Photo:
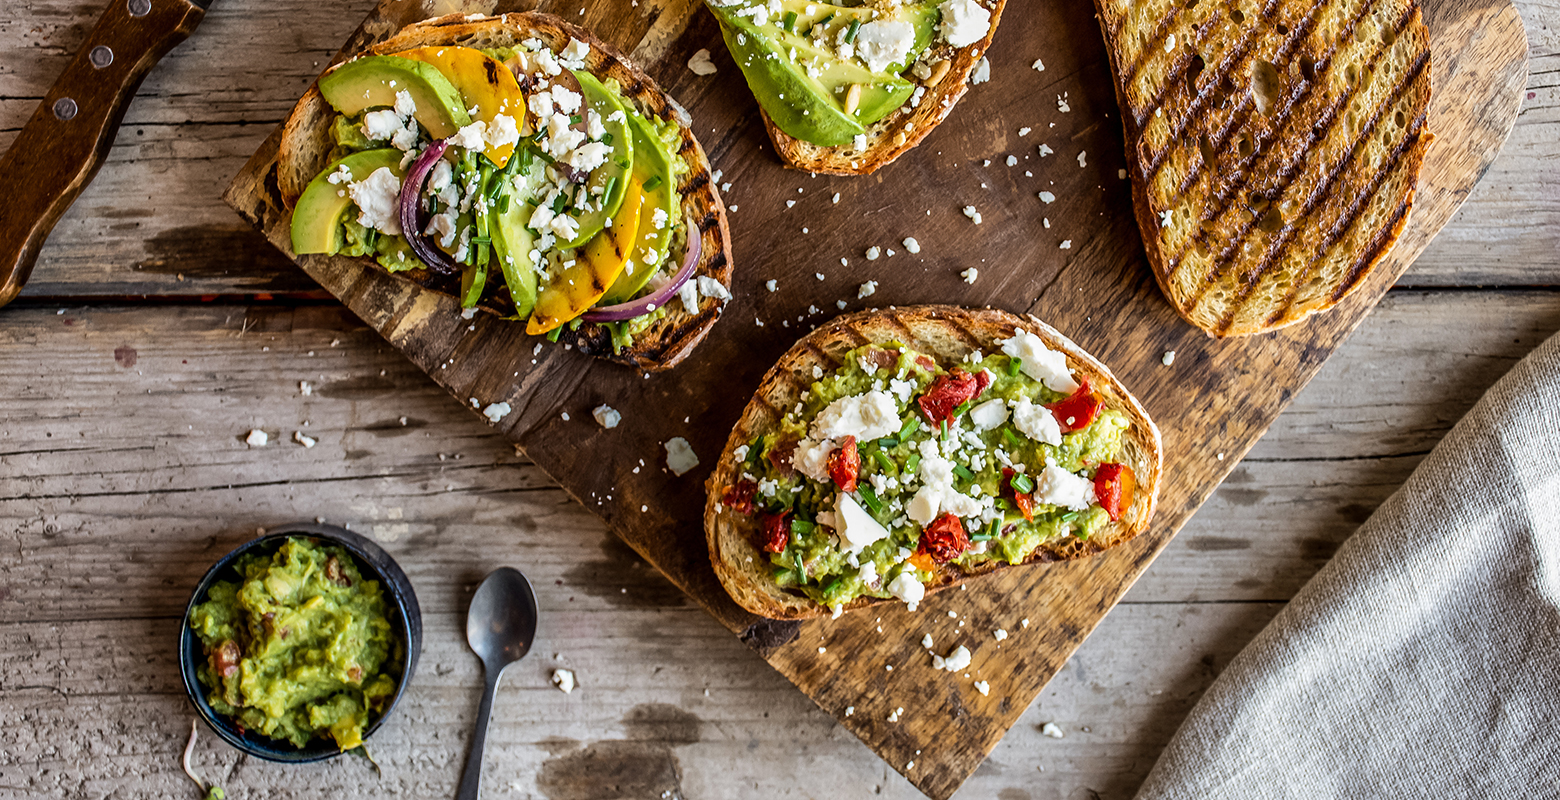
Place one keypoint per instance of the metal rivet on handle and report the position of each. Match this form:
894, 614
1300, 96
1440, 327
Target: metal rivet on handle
101, 56
65, 109
140, 8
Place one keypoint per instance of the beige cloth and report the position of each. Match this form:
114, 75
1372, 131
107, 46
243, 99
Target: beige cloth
1424, 660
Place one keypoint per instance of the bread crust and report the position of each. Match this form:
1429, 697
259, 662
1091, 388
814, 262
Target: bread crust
946, 333
306, 145
1188, 117
883, 147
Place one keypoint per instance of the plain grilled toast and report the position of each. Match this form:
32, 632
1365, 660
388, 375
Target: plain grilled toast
947, 333
1274, 147
306, 146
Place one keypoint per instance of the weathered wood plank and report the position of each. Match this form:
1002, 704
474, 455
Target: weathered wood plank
153, 214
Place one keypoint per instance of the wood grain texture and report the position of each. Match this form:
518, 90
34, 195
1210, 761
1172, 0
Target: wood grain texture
114, 497
1219, 401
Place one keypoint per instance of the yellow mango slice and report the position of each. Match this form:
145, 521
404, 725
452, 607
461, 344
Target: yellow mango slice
596, 266
483, 82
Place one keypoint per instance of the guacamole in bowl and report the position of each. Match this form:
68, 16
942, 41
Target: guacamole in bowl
297, 644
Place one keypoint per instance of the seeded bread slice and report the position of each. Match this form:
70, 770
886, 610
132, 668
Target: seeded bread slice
1274, 148
890, 137
306, 146
947, 333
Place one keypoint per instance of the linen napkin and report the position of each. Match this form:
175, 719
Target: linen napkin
1423, 661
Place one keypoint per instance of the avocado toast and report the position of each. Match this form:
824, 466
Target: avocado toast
892, 453
845, 87
524, 167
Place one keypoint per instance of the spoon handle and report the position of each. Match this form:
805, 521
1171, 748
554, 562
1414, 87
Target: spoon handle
471, 779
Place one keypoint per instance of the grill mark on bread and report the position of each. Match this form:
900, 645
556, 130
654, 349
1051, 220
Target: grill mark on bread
1378, 248
1224, 260
1323, 194
1150, 47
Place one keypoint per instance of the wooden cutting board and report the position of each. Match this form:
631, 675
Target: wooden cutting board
1077, 263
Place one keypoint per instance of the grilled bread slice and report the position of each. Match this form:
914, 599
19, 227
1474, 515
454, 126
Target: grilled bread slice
948, 334
943, 71
1274, 148
306, 146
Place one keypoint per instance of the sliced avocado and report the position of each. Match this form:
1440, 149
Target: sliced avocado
611, 178
653, 170
512, 244
373, 81
779, 59
317, 216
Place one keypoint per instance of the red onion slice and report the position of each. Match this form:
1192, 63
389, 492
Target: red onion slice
659, 297
411, 221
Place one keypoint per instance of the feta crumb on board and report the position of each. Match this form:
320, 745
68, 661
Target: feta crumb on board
680, 456
1050, 729
1000, 634
305, 388
983, 687
1038, 66
257, 438
972, 213
1047, 198
1065, 245
771, 284
911, 244
1083, 158
306, 441
497, 411
564, 680
894, 717
970, 275
926, 641
701, 64
606, 416
1168, 358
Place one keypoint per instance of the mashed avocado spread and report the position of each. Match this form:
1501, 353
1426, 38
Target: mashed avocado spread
301, 647
893, 466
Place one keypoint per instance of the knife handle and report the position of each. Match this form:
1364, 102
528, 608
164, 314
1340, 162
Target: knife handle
60, 149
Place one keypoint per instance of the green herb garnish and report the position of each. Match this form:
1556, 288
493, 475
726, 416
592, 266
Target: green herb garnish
1023, 483
655, 181
850, 33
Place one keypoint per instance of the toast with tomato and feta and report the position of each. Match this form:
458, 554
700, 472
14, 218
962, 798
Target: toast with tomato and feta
893, 453
523, 166
847, 87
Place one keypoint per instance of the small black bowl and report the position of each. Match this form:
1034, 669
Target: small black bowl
374, 562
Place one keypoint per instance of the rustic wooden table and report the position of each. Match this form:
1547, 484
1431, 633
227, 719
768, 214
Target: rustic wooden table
159, 329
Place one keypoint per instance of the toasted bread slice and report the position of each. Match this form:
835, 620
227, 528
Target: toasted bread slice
1274, 148
947, 333
306, 146
890, 137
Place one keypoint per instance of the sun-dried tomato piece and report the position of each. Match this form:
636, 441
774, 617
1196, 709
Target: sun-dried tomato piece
775, 530
780, 456
882, 358
926, 362
739, 496
945, 394
944, 539
1114, 485
1078, 410
982, 381
845, 464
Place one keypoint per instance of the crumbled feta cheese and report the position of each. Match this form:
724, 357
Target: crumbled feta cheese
964, 22
874, 252
771, 284
503, 131
981, 73
989, 414
381, 125
907, 588
974, 215
1168, 358
608, 417
859, 141
1047, 198
1000, 634
1164, 218
869, 574
689, 294
563, 679
1058, 487
1050, 729
1065, 245
881, 43
257, 438
709, 287
866, 289
306, 441
958, 660
1036, 421
926, 641
856, 527
305, 388
574, 54
471, 137
496, 411
1039, 362
811, 458
680, 456
1083, 158
1012, 161
970, 275
1037, 66
912, 245
378, 200
894, 717
1045, 150
872, 415
983, 687
405, 106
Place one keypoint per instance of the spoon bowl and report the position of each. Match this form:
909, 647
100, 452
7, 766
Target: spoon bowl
500, 626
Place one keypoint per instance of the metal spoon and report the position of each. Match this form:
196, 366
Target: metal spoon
500, 628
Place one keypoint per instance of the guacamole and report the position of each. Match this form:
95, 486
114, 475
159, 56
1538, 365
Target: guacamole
301, 647
894, 466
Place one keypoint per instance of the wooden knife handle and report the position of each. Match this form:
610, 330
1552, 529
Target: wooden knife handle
60, 149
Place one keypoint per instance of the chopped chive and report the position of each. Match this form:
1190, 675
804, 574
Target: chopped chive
885, 462
1014, 365
994, 529
606, 192
963, 472
503, 204
981, 537
831, 585
962, 409
790, 22
801, 526
655, 181
801, 566
574, 119
559, 203
1012, 438
824, 21
850, 33
912, 462
552, 335
1023, 483
888, 442
909, 427
606, 138
870, 498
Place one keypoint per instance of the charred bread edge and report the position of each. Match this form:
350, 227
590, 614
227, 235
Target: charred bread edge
305, 149
729, 534
802, 155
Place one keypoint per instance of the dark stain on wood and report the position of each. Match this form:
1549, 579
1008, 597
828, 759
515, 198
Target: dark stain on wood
643, 765
663, 723
1216, 544
365, 387
1241, 497
390, 428
196, 251
623, 579
1356, 513
768, 634
1318, 549
125, 355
